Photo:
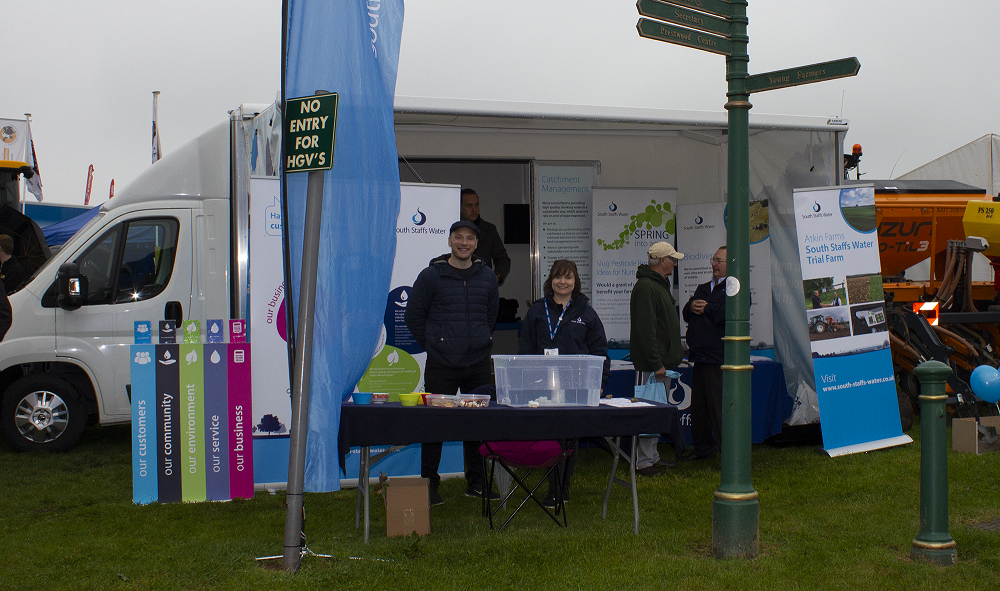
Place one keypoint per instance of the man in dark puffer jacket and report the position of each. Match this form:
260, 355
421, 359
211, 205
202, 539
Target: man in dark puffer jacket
451, 312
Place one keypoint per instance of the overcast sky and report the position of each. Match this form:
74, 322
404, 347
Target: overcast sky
85, 70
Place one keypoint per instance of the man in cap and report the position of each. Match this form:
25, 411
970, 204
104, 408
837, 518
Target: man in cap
451, 312
655, 336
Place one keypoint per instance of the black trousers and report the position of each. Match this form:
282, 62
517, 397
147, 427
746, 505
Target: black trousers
706, 408
440, 379
567, 467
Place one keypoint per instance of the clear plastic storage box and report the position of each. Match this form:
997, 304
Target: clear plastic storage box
548, 380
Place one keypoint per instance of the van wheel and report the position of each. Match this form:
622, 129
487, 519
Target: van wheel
42, 413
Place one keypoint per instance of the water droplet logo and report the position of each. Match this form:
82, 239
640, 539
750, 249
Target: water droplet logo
401, 302
419, 218
698, 220
816, 206
215, 358
167, 359
613, 206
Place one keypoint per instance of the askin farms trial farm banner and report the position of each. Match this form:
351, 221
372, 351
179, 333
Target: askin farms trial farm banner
845, 318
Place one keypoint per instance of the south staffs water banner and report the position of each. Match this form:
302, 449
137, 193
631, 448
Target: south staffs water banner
191, 419
845, 318
701, 230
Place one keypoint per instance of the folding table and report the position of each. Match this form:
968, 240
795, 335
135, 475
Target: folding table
396, 425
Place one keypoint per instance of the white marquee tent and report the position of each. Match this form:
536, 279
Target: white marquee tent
976, 163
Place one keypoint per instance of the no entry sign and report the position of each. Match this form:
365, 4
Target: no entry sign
310, 130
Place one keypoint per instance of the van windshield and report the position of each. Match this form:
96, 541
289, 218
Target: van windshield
70, 244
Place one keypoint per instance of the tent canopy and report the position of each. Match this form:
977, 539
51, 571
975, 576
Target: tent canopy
976, 163
58, 234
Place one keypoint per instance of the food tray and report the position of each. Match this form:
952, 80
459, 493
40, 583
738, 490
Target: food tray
473, 400
442, 400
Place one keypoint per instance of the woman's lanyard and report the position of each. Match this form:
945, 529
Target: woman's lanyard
548, 319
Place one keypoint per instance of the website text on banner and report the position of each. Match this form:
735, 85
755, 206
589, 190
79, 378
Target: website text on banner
845, 317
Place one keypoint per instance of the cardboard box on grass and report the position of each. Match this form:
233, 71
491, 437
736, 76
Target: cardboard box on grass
407, 507
965, 437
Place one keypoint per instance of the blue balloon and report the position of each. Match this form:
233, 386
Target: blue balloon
985, 382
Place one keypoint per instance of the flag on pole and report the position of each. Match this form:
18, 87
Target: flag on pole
111, 195
156, 132
90, 181
34, 184
13, 139
351, 48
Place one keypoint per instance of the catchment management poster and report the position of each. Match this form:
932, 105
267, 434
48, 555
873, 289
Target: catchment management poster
846, 320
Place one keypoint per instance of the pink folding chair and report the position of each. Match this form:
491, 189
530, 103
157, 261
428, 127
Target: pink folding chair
530, 456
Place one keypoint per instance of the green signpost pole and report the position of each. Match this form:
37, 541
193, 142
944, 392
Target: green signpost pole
735, 508
720, 26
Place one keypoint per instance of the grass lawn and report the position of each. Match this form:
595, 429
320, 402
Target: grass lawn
67, 522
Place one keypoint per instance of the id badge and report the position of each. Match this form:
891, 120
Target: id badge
552, 351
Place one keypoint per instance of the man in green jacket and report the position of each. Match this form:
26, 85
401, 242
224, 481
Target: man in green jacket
655, 336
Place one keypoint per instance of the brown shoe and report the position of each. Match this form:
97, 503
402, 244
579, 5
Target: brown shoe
664, 465
648, 471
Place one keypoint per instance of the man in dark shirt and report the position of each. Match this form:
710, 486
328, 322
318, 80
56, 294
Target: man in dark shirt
11, 272
705, 314
816, 302
450, 313
490, 248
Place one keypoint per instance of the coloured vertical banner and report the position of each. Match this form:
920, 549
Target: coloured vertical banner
144, 420
701, 230
192, 402
845, 317
626, 222
271, 390
191, 409
562, 205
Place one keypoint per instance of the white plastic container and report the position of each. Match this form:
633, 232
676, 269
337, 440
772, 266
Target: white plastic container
548, 380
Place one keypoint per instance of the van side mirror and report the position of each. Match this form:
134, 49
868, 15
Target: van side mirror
72, 286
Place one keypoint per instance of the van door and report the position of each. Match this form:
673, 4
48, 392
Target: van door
137, 269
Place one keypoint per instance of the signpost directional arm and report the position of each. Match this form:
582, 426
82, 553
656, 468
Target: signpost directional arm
680, 36
803, 75
681, 16
719, 8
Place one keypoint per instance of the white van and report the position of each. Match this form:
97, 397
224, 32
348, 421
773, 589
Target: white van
160, 249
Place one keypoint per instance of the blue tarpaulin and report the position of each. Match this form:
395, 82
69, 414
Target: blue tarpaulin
57, 234
350, 47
